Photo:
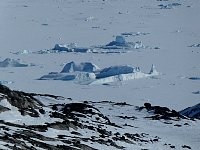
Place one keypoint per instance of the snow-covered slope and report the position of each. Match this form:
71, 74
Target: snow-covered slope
42, 121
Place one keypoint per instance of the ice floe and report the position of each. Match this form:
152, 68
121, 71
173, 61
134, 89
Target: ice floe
22, 52
63, 48
119, 45
5, 82
8, 62
194, 78
72, 47
196, 92
88, 73
195, 45
126, 34
169, 6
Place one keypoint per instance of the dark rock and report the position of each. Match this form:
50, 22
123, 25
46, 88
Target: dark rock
76, 133
104, 132
3, 109
185, 146
42, 111
162, 112
126, 117
177, 125
122, 104
147, 106
172, 146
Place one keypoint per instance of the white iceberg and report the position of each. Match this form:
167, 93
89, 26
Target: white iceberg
61, 47
72, 71
89, 73
82, 67
121, 43
72, 47
122, 73
115, 70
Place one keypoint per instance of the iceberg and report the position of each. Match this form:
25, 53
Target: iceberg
88, 73
82, 67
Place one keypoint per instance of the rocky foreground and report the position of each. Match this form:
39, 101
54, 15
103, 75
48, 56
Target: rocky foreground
41, 121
